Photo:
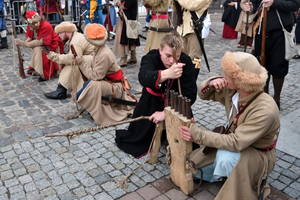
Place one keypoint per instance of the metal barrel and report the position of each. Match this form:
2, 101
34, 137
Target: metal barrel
172, 98
183, 106
179, 104
175, 94
188, 109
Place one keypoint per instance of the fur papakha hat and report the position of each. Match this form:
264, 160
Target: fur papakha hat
65, 27
95, 34
32, 17
244, 70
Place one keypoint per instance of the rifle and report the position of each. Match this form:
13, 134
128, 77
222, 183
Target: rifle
45, 49
264, 35
80, 20
59, 10
75, 55
21, 68
108, 18
246, 28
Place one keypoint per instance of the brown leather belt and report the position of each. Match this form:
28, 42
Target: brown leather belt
161, 29
154, 13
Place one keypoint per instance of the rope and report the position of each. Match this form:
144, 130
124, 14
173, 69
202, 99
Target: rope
168, 155
123, 182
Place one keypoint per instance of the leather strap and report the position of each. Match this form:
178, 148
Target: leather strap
161, 29
243, 109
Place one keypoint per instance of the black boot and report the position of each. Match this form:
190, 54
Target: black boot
59, 93
3, 44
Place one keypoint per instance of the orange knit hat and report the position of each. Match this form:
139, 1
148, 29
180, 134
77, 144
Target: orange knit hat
96, 34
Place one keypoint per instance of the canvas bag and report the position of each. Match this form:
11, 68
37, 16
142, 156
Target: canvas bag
132, 31
289, 41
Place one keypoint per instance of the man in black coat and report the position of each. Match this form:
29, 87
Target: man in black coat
158, 74
276, 64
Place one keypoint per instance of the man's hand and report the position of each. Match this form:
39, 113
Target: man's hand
157, 117
19, 42
175, 71
267, 3
92, 19
218, 83
185, 133
248, 7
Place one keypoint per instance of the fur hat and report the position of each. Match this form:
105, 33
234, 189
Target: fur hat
244, 70
65, 27
32, 17
95, 34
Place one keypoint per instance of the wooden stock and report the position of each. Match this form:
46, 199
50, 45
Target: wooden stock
21, 68
263, 41
75, 55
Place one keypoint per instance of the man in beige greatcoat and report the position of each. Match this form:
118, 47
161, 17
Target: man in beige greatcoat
70, 78
246, 155
160, 23
104, 80
191, 43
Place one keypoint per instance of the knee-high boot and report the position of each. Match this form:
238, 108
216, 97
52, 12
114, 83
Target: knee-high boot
132, 57
59, 93
123, 61
278, 84
3, 44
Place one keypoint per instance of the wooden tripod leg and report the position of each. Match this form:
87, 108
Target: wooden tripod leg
156, 143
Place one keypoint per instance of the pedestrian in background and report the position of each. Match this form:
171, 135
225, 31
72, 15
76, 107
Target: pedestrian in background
230, 18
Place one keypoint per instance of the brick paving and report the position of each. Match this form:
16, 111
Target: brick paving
36, 167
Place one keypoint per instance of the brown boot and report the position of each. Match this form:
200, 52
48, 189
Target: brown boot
132, 57
123, 62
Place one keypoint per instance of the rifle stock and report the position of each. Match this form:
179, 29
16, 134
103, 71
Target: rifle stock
21, 67
75, 55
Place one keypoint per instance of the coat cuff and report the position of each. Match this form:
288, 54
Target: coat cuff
196, 133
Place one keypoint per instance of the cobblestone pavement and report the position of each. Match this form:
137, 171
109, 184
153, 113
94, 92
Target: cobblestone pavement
36, 167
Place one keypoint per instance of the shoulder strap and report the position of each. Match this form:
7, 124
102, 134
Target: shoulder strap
244, 108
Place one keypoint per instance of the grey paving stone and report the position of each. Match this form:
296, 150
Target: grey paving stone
11, 182
116, 193
17, 165
67, 196
103, 196
33, 168
6, 175
296, 186
20, 136
73, 184
109, 186
56, 181
290, 174
38, 175
283, 164
80, 192
20, 171
68, 177
88, 181
24, 156
29, 187
15, 189
278, 185
9, 154
18, 195
292, 192
61, 189
93, 190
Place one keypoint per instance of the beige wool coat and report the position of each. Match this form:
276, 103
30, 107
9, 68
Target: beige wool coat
70, 76
256, 127
241, 24
153, 37
103, 63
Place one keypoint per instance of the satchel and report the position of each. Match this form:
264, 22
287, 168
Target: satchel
290, 47
132, 31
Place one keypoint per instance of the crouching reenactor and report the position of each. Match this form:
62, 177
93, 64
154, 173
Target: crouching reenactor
246, 154
40, 33
70, 78
103, 94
